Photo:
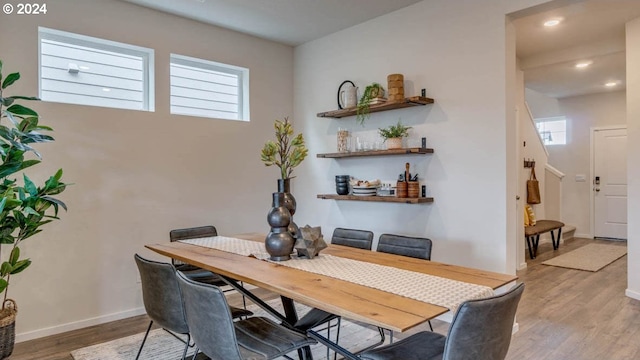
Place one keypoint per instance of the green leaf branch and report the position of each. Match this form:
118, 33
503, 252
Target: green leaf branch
286, 152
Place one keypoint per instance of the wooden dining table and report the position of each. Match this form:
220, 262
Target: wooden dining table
350, 300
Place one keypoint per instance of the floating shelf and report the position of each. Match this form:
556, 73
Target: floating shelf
389, 199
403, 151
407, 102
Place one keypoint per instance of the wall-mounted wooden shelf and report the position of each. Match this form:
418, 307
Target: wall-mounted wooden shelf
407, 102
388, 199
403, 151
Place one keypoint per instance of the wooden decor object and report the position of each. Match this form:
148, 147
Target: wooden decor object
401, 189
395, 87
413, 189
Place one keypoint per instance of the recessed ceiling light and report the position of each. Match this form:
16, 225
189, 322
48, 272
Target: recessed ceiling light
106, 89
611, 84
552, 22
582, 65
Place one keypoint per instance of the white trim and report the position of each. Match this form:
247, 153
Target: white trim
36, 334
584, 236
632, 294
522, 266
535, 127
147, 56
592, 213
554, 171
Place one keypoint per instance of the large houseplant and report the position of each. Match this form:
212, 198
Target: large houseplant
24, 206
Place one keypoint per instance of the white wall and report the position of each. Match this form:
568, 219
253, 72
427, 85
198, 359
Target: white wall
541, 105
138, 174
470, 175
633, 157
582, 114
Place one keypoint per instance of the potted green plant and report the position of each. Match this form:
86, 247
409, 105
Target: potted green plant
370, 93
393, 135
24, 206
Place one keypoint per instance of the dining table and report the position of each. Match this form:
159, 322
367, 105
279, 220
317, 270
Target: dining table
350, 284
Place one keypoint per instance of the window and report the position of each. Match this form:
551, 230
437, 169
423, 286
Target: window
83, 70
553, 131
209, 89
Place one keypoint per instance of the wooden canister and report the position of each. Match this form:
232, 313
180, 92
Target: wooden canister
395, 87
401, 189
413, 189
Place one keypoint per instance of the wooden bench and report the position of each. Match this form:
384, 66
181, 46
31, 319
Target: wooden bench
532, 234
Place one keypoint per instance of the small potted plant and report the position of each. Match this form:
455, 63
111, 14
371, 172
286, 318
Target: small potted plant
393, 135
370, 93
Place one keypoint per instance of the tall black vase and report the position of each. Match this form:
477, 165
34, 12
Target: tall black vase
279, 242
284, 186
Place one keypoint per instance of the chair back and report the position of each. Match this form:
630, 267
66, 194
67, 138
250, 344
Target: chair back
361, 239
406, 246
209, 319
161, 295
190, 233
481, 329
193, 233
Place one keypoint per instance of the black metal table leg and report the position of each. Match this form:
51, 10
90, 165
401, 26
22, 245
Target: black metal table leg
535, 245
530, 247
292, 317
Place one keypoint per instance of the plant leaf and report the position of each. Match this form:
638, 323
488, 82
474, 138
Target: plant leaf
18, 109
20, 266
24, 98
30, 186
3, 285
5, 269
10, 79
15, 255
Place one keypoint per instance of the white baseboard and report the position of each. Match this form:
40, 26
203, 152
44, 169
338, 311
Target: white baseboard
36, 334
522, 266
632, 294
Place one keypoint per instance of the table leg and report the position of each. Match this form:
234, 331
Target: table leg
535, 245
530, 247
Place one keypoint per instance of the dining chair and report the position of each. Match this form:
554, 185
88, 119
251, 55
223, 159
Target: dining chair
361, 239
415, 247
163, 300
194, 272
481, 329
220, 338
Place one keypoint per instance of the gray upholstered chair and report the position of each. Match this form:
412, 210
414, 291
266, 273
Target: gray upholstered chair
361, 239
481, 329
163, 301
194, 272
218, 337
415, 247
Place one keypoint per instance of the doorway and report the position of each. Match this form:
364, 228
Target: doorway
609, 179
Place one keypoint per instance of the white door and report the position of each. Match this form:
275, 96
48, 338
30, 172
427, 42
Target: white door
610, 183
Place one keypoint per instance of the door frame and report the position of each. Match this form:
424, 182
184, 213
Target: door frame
592, 200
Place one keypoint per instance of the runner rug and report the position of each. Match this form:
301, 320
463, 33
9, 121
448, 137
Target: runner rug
592, 257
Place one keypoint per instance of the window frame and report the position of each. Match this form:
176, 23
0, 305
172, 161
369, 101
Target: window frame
146, 54
547, 120
243, 82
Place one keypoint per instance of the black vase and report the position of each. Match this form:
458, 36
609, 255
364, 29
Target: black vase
279, 242
290, 203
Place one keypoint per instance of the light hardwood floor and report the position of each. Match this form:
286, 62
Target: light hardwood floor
564, 314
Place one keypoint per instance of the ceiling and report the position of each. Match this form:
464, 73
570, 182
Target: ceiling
291, 22
590, 31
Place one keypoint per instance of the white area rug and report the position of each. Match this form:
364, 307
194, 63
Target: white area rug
161, 345
592, 257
